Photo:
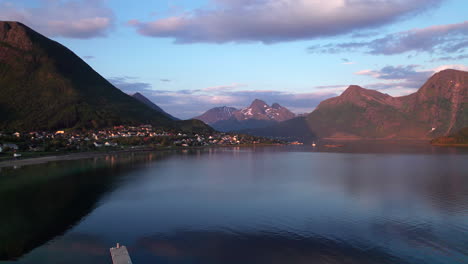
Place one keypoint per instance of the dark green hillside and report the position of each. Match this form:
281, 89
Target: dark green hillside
45, 86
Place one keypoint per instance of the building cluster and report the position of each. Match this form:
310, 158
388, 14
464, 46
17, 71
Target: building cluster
115, 137
217, 139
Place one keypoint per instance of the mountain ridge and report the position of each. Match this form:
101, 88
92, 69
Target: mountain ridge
216, 114
438, 108
257, 114
140, 97
45, 86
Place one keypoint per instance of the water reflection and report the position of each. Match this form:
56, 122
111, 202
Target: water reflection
243, 205
40, 202
261, 247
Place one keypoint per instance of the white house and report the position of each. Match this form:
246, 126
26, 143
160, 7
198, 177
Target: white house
110, 144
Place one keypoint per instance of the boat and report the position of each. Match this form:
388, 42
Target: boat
296, 143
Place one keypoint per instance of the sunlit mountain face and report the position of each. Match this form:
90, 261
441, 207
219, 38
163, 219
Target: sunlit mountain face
234, 131
198, 55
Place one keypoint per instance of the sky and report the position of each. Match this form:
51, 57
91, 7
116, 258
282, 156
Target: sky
188, 56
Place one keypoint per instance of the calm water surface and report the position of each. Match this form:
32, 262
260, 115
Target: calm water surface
358, 204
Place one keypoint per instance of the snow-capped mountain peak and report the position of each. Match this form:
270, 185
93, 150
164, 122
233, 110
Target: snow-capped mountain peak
260, 110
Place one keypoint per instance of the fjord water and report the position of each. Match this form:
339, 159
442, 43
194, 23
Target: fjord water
280, 204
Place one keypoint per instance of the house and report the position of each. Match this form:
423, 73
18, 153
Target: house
110, 144
17, 134
97, 144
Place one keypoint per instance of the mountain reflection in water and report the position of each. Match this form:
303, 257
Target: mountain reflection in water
285, 204
40, 202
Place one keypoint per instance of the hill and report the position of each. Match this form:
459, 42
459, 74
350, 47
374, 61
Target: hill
45, 86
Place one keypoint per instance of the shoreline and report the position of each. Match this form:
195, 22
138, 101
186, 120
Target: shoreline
449, 145
95, 154
64, 157
375, 139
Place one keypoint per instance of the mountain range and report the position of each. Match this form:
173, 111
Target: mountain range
438, 108
45, 86
259, 114
217, 114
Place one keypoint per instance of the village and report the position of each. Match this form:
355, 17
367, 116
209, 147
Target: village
17, 144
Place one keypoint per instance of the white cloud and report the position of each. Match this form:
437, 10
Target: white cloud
190, 103
65, 18
452, 66
441, 39
223, 87
403, 79
271, 21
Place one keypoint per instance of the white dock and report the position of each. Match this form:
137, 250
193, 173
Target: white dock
120, 255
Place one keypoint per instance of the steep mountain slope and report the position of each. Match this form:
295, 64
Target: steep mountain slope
45, 86
152, 105
441, 103
439, 107
216, 114
258, 114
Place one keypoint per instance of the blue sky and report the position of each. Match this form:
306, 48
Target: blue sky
190, 55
